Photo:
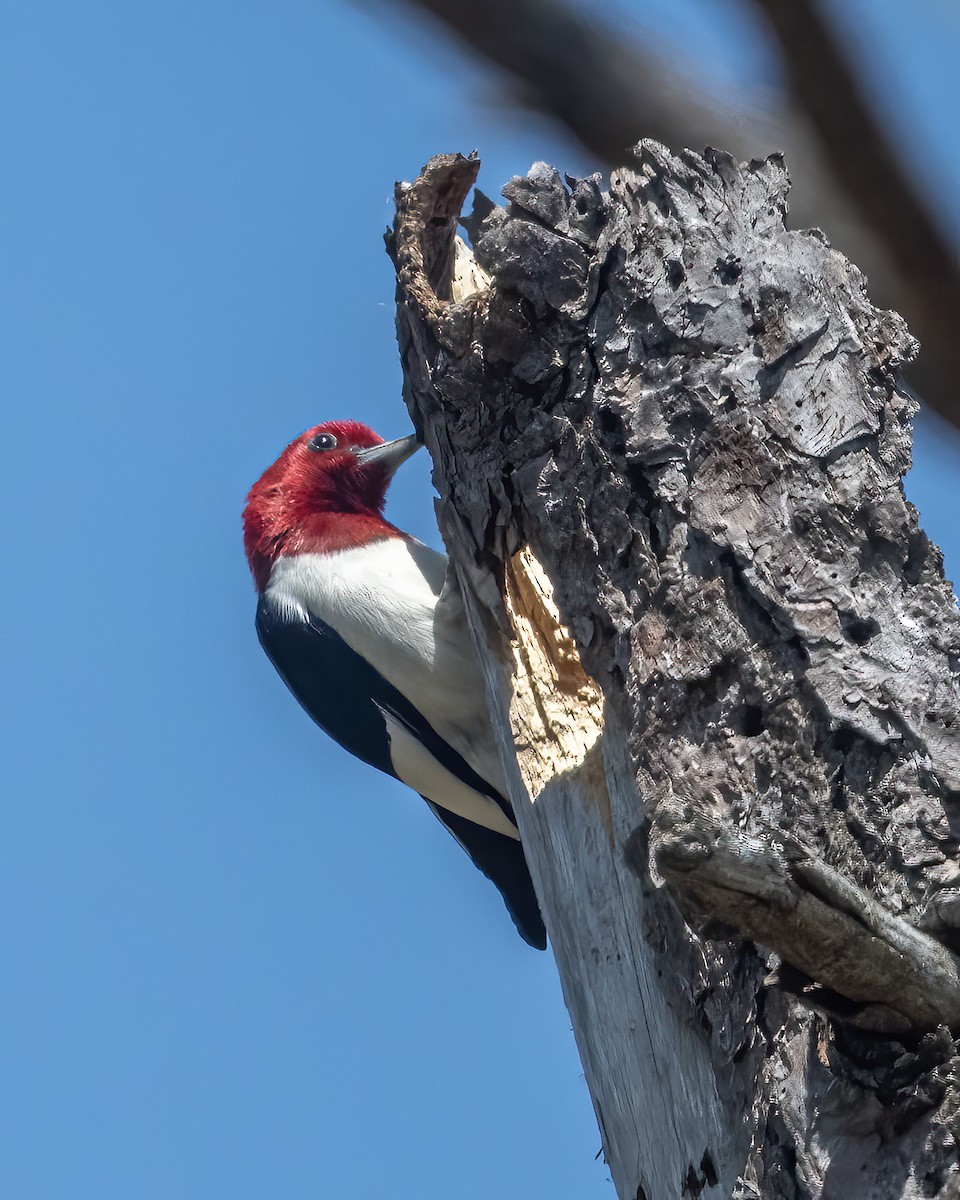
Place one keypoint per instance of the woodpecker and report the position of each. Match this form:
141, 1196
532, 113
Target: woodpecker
366, 627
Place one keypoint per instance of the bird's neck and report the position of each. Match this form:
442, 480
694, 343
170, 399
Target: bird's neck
315, 533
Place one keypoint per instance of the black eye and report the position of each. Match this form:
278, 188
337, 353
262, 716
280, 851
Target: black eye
323, 441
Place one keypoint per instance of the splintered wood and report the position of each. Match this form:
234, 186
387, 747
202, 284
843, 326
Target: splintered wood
468, 276
556, 710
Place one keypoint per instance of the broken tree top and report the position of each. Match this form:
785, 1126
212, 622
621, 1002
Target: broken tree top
676, 428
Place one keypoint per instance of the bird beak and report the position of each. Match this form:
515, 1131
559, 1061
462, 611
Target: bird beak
389, 454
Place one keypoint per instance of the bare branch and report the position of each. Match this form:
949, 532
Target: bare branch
606, 89
786, 898
871, 171
609, 91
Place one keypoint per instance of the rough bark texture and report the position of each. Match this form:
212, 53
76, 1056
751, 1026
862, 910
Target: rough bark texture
669, 438
608, 84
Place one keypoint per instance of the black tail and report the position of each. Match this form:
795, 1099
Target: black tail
501, 859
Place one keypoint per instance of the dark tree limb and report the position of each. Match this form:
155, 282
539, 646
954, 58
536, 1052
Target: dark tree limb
576, 67
873, 173
668, 436
608, 90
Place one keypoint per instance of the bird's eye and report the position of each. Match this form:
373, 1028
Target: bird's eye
323, 441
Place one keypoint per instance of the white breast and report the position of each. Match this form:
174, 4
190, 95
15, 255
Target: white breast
384, 601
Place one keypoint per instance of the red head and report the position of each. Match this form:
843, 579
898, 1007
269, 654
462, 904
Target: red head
325, 492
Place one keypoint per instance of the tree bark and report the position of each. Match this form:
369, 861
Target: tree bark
668, 437
608, 85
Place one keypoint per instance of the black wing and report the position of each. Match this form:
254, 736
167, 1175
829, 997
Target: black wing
501, 859
347, 697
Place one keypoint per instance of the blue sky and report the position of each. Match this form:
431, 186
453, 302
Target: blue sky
237, 963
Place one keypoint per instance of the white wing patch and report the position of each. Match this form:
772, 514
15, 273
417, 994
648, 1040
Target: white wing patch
418, 769
384, 600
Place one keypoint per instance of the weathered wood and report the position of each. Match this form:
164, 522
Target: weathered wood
669, 437
817, 920
608, 84
570, 755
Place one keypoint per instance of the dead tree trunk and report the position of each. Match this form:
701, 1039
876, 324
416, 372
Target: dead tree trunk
668, 437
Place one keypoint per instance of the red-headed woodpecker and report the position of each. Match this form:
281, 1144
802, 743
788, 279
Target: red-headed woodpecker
368, 631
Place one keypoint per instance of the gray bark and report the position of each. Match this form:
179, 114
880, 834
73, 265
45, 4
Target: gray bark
608, 85
668, 437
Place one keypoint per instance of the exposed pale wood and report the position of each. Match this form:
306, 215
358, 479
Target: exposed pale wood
556, 710
567, 781
668, 437
468, 276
